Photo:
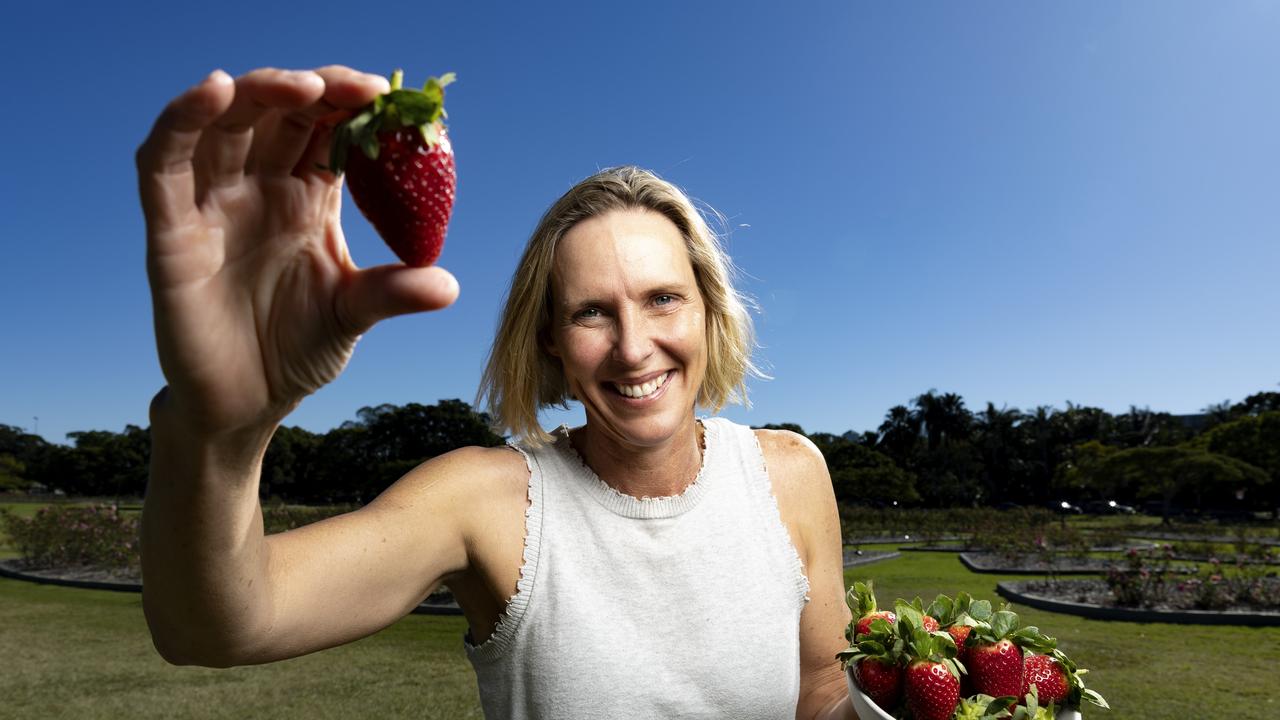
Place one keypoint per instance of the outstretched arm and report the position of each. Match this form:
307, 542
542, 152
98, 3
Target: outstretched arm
257, 304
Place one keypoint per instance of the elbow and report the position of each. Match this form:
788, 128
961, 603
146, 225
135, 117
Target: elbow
179, 643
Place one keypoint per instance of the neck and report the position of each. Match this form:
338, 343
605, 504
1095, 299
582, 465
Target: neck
649, 471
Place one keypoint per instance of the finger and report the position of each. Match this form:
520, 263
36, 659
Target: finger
224, 147
346, 91
284, 139
377, 293
166, 181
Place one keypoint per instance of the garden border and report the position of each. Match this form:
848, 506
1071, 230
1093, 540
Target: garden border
1010, 591
968, 563
8, 571
859, 561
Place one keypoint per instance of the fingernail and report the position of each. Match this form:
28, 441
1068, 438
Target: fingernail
218, 77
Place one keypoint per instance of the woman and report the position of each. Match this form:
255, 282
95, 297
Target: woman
647, 564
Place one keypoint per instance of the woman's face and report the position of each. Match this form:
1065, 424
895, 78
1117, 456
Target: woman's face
629, 325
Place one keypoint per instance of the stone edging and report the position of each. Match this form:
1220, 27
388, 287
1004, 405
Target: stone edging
8, 571
974, 567
868, 558
1219, 539
1010, 591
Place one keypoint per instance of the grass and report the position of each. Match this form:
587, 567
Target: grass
86, 654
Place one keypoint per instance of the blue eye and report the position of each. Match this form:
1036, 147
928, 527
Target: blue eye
664, 299
589, 313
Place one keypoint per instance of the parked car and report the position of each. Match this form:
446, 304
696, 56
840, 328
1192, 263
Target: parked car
1066, 508
1108, 507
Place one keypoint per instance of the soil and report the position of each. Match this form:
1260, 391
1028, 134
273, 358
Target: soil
1096, 592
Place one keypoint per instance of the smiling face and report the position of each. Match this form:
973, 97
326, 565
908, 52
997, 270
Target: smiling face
628, 326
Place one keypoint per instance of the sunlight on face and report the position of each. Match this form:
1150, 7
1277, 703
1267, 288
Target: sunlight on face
629, 325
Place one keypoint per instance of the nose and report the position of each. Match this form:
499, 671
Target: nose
633, 343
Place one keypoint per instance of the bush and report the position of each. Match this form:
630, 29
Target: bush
75, 535
277, 517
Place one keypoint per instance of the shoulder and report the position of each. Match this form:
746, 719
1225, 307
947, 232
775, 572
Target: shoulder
465, 479
802, 486
793, 459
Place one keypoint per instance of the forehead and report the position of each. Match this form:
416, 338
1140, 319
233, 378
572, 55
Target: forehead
631, 250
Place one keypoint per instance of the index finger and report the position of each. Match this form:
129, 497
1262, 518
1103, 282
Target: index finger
166, 180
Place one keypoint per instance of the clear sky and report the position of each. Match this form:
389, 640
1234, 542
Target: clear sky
1025, 203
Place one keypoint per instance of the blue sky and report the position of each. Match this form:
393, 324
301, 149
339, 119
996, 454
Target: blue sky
1024, 203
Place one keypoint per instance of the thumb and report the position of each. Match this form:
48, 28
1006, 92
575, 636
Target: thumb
377, 293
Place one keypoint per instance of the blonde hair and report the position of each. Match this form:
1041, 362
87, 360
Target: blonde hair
521, 377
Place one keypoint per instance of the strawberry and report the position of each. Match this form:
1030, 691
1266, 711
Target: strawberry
996, 668
930, 623
932, 679
875, 658
932, 691
959, 634
1057, 679
864, 623
880, 679
862, 601
402, 176
995, 659
1047, 676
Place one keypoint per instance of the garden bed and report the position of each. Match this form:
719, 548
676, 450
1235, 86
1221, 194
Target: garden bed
1001, 563
1094, 599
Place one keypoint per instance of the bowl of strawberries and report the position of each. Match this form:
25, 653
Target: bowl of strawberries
956, 658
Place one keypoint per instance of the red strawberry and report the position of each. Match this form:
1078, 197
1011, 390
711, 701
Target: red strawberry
864, 623
996, 668
402, 174
930, 623
1046, 674
960, 633
932, 691
881, 679
862, 601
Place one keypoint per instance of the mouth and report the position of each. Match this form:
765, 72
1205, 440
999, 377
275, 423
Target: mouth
644, 390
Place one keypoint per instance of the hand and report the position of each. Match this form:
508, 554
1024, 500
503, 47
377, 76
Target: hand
257, 301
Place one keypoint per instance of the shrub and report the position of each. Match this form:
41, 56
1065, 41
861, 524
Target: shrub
277, 517
1145, 580
75, 535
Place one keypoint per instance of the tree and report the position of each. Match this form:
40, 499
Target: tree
1254, 439
1184, 474
287, 463
1078, 474
899, 435
101, 463
862, 476
999, 446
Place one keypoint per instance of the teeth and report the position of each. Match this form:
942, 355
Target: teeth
642, 390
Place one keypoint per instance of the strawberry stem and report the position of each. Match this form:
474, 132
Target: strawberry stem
397, 79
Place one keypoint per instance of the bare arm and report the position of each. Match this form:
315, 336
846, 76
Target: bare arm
257, 304
807, 502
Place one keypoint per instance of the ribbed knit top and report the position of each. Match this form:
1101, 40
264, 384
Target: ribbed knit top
674, 607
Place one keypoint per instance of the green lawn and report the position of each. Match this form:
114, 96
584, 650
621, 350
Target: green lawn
86, 654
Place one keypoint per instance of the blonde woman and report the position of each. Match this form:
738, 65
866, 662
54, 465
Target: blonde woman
647, 564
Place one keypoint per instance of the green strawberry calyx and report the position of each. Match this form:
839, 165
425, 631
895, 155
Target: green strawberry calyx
399, 108
1076, 691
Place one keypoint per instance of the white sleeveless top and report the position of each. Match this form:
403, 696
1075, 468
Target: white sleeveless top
675, 607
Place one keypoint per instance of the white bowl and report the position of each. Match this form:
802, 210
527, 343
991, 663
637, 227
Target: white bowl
868, 710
